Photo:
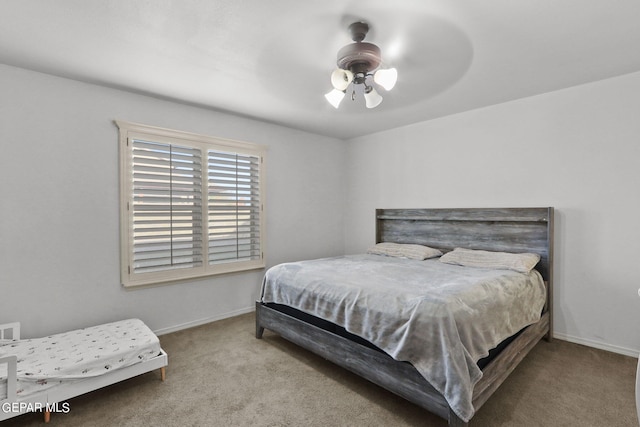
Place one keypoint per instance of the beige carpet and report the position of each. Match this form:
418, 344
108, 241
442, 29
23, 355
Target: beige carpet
220, 375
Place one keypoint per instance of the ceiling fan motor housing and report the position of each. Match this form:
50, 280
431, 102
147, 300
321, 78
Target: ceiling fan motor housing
359, 57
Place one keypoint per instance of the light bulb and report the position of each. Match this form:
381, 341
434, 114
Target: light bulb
340, 79
334, 97
371, 97
386, 78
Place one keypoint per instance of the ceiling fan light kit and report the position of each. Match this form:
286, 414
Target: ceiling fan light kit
356, 63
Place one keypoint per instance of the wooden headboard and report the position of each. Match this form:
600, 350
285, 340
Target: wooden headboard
492, 229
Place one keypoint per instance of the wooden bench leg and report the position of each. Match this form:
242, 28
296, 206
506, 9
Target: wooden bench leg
47, 416
163, 373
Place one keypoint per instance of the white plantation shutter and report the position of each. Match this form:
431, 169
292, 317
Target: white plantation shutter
167, 207
234, 207
191, 205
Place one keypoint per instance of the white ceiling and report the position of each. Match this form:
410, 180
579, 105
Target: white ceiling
272, 59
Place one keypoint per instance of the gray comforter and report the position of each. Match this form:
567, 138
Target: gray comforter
442, 318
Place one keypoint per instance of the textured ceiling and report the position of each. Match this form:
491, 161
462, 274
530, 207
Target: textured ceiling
272, 60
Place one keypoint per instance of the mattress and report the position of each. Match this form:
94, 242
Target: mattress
442, 318
76, 355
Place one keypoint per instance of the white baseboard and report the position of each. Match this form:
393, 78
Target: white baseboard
596, 344
199, 322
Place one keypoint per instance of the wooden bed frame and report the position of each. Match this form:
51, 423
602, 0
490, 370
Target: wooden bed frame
501, 229
47, 400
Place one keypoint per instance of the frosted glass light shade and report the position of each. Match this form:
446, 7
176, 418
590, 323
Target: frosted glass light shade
386, 78
334, 97
340, 79
372, 98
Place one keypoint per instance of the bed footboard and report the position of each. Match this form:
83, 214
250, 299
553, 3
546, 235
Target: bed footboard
10, 331
12, 367
398, 377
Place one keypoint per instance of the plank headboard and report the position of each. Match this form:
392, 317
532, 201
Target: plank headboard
491, 229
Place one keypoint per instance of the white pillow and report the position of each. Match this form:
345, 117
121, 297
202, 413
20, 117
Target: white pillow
403, 250
523, 262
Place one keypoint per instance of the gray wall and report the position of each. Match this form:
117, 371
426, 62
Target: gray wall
59, 220
577, 150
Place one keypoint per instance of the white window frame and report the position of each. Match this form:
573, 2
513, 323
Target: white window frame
128, 132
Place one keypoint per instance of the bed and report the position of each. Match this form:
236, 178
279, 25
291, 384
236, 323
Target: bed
362, 348
38, 375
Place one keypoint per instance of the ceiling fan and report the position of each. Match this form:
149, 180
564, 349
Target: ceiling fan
358, 64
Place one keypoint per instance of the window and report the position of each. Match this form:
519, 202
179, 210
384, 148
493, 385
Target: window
191, 205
